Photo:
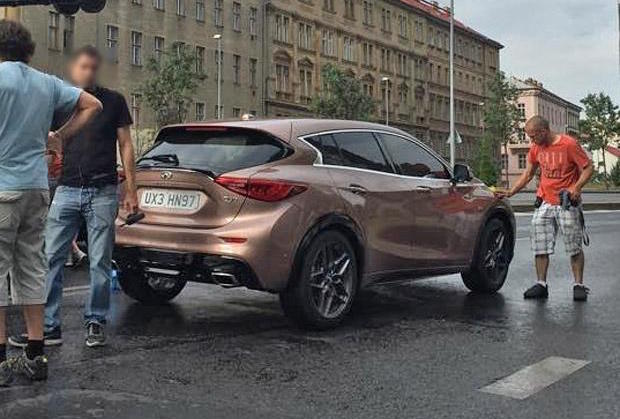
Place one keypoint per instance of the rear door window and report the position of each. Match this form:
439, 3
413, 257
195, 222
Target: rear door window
412, 159
217, 151
329, 151
361, 150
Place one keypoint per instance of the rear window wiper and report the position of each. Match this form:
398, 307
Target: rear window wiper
172, 159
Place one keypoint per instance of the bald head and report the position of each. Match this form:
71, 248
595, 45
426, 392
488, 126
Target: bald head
537, 128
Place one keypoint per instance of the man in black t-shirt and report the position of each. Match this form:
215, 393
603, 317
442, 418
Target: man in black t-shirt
87, 189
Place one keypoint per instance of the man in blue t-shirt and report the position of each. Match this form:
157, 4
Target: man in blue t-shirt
28, 100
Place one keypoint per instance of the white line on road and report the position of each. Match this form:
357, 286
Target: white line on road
534, 378
529, 214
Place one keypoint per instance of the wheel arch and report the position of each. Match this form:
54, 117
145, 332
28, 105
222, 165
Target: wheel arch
506, 216
338, 222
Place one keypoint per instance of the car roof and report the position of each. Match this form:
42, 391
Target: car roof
288, 128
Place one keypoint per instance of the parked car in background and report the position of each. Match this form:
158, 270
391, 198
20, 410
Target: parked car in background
310, 209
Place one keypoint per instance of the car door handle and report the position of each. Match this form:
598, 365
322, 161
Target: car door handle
356, 189
423, 188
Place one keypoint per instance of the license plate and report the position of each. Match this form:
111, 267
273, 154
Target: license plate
172, 200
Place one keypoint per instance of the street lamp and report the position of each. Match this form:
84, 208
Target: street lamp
218, 37
386, 80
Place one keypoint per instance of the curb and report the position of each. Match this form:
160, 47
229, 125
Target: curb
586, 206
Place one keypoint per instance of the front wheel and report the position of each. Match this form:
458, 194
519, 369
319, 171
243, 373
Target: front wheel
322, 294
490, 266
147, 289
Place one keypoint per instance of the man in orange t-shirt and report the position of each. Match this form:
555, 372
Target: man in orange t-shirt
564, 166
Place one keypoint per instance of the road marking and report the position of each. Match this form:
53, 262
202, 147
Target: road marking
529, 214
534, 378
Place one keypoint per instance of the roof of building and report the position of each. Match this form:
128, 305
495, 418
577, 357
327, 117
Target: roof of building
614, 151
443, 14
532, 84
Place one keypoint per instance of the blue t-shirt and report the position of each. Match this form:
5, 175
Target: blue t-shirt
28, 100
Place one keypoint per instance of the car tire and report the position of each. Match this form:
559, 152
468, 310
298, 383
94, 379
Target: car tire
92, 6
136, 285
324, 286
491, 259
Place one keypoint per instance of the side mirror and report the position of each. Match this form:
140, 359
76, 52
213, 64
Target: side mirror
462, 173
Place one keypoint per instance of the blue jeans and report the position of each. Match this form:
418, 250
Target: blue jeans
98, 207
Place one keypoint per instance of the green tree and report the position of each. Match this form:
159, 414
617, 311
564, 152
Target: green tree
342, 97
614, 175
168, 88
601, 124
501, 125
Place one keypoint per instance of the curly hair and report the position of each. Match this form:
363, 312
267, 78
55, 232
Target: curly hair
16, 43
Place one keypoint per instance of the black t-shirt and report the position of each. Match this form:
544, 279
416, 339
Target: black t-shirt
89, 158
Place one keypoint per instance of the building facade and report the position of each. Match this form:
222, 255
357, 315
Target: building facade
273, 52
535, 100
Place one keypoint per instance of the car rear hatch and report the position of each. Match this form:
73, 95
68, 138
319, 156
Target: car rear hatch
179, 180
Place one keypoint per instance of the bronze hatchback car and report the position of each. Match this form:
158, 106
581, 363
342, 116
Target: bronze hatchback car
310, 209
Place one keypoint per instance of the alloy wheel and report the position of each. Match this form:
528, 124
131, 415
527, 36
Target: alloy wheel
496, 257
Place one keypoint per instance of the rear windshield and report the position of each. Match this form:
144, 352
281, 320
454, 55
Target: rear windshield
217, 151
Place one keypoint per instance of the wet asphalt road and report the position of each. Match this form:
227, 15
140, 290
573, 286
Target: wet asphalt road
418, 350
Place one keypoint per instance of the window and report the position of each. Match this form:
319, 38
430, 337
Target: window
522, 160
361, 150
348, 52
200, 111
159, 4
368, 18
138, 2
328, 5
236, 69
402, 26
305, 82
282, 23
386, 60
504, 161
135, 108
200, 59
112, 42
219, 113
136, 48
252, 23
180, 7
236, 16
282, 78
305, 36
328, 44
52, 33
68, 33
253, 65
367, 51
521, 108
413, 160
218, 13
328, 149
349, 9
200, 10
386, 20
179, 47
402, 64
368, 88
158, 47
236, 112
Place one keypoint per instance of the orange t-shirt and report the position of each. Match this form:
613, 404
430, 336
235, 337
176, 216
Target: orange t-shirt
54, 165
560, 164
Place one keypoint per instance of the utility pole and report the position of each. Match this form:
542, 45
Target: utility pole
386, 80
452, 136
219, 74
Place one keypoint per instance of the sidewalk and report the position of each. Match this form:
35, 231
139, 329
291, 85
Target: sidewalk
599, 200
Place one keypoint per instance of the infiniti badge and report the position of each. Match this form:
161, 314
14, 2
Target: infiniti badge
166, 175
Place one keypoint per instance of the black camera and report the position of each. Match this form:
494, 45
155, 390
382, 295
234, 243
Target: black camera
565, 201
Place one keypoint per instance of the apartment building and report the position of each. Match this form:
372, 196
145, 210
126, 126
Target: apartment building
535, 100
273, 51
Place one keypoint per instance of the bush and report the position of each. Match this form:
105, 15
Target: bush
614, 175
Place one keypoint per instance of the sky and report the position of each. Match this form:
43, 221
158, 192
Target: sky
571, 46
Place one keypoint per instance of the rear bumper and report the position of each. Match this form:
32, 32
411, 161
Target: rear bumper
221, 270
266, 249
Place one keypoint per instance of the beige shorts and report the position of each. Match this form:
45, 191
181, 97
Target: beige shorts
22, 224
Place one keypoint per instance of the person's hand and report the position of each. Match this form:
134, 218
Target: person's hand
575, 193
130, 202
502, 193
54, 137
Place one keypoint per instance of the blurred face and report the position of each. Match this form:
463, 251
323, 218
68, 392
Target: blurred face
83, 71
538, 135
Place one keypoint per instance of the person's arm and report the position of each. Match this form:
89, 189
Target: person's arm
525, 178
86, 109
584, 178
128, 158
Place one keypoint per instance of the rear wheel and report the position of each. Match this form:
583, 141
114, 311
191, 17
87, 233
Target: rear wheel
490, 266
322, 294
149, 289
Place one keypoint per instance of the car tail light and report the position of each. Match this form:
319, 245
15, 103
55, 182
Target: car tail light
261, 189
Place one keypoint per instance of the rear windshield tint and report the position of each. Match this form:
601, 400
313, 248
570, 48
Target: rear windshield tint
217, 151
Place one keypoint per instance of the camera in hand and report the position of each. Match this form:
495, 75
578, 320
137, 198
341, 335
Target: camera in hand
134, 218
565, 201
